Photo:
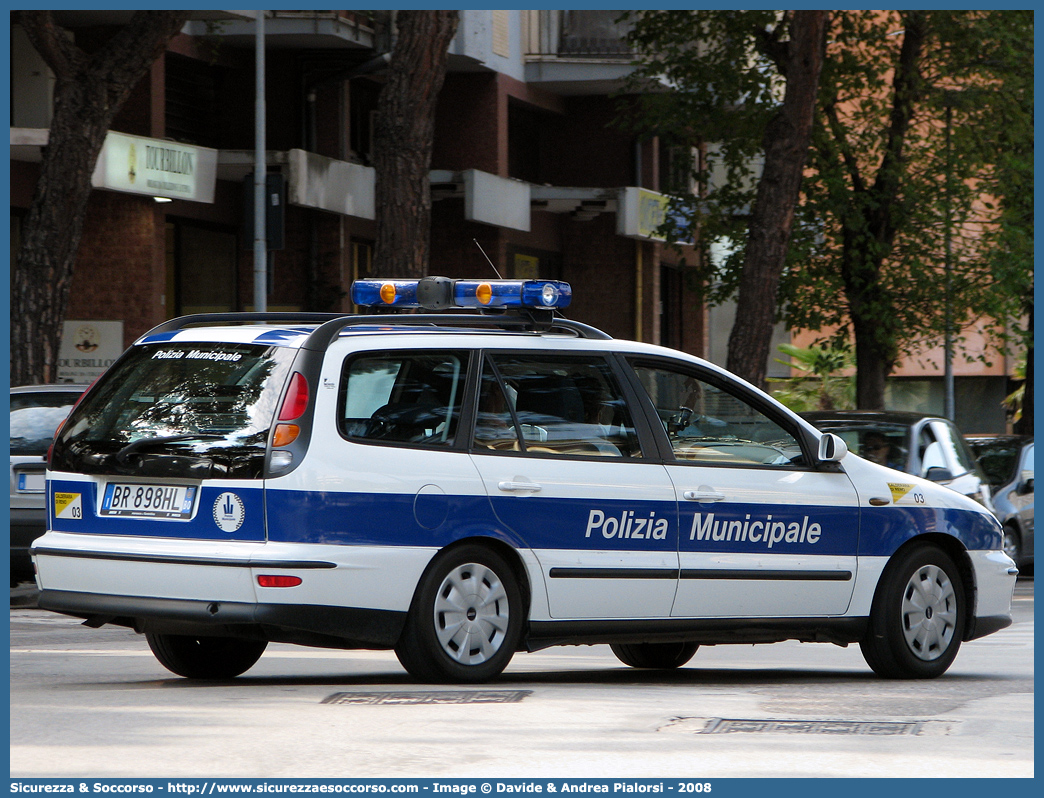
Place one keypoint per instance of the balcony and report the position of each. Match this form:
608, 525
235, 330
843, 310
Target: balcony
576, 52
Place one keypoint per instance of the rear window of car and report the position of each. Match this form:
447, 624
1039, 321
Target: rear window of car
195, 399
35, 417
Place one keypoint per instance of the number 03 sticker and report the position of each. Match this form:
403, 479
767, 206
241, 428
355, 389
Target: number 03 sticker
68, 505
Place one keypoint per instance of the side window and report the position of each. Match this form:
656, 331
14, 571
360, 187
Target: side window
402, 397
708, 425
930, 451
950, 438
555, 405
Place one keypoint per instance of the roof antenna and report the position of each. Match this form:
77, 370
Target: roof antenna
494, 268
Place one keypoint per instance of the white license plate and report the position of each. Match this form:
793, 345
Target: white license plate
148, 501
29, 482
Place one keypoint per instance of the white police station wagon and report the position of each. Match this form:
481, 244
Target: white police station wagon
458, 487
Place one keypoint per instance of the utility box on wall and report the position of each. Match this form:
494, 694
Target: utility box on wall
275, 210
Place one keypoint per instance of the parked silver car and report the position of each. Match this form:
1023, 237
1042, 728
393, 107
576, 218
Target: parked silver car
1007, 462
926, 446
36, 411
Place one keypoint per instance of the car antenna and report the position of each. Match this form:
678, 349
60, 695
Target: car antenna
494, 268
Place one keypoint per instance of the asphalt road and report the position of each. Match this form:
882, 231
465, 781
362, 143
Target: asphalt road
95, 703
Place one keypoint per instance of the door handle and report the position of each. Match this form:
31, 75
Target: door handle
703, 494
512, 486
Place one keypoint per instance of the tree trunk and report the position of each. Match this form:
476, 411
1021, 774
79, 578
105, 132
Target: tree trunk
404, 136
89, 92
786, 147
870, 229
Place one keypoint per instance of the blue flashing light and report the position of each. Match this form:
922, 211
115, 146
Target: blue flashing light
435, 293
385, 293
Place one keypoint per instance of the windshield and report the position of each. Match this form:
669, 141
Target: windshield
998, 459
190, 410
882, 443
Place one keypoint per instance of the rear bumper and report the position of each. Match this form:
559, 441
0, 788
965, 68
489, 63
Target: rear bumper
337, 627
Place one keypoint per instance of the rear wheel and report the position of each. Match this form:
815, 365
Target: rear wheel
917, 619
465, 620
205, 657
662, 656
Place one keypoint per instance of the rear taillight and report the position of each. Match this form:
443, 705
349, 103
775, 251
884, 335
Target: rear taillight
294, 404
296, 400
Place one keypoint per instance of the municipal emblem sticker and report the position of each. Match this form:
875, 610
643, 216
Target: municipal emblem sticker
229, 512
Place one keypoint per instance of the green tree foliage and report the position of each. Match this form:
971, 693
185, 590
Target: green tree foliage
822, 387
884, 196
90, 89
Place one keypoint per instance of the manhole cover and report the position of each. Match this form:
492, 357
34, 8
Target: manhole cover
836, 727
430, 697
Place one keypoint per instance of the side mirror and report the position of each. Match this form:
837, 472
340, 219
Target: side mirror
939, 474
832, 448
1025, 487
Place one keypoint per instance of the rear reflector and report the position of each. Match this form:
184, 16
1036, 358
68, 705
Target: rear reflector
273, 580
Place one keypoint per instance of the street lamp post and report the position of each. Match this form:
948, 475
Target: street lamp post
260, 173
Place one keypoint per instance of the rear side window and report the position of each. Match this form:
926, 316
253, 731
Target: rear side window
179, 409
403, 397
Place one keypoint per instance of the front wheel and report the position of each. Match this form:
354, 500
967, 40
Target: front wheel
205, 657
662, 656
466, 618
918, 616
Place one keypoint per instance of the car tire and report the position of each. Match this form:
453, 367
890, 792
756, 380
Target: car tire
917, 618
662, 656
465, 620
1013, 544
205, 657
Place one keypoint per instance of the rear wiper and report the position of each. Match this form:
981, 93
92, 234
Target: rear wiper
144, 443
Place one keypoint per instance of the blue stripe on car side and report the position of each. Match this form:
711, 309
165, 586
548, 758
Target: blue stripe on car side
548, 523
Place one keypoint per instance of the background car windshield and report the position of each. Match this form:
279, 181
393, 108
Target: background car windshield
35, 417
999, 460
884, 444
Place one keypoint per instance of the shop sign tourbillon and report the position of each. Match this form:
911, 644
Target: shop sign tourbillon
156, 167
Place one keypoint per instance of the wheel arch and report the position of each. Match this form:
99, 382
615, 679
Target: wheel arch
956, 550
511, 557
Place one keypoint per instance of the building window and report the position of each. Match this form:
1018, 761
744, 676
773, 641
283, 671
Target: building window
362, 111
527, 133
201, 269
193, 109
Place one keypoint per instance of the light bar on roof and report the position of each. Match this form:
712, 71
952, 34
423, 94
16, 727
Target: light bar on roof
436, 293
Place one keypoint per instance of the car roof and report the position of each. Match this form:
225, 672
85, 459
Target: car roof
998, 437
58, 387
867, 417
